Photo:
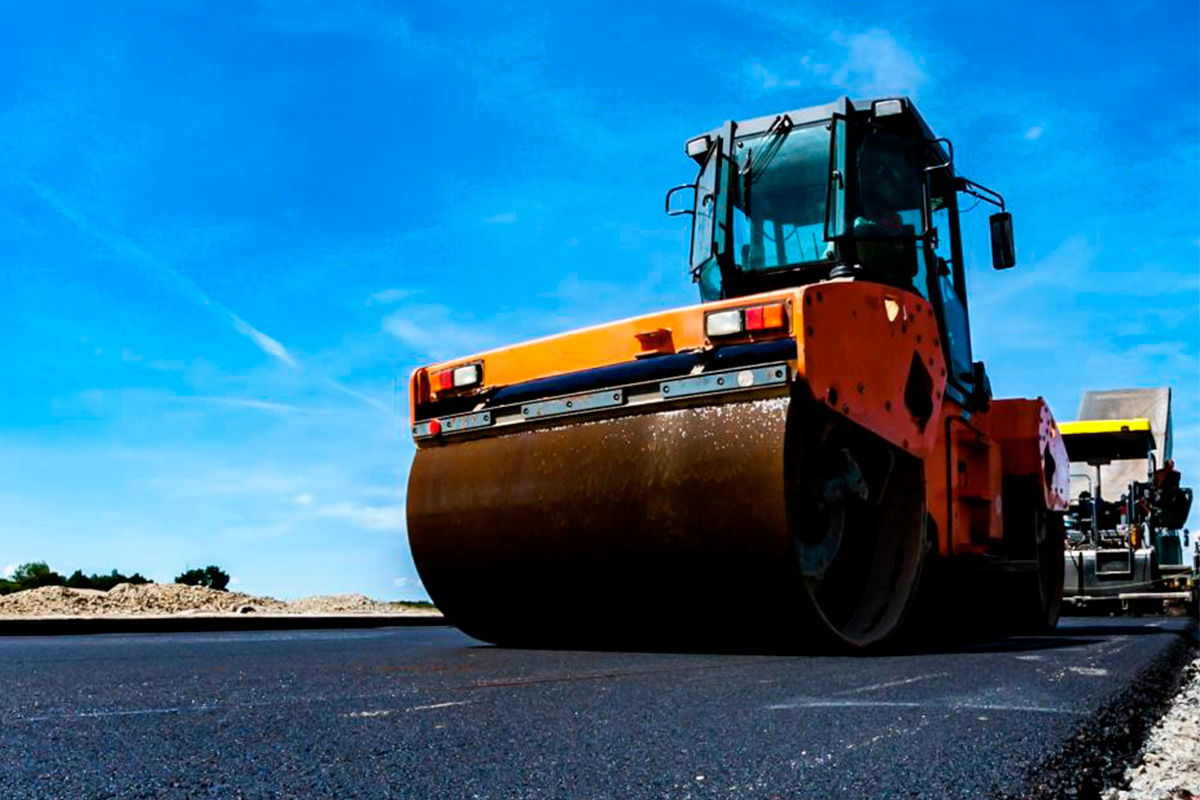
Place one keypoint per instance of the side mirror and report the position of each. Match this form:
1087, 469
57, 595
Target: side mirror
1004, 254
982, 385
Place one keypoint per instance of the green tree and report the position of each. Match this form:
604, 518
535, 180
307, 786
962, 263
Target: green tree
34, 575
79, 581
106, 582
38, 573
211, 576
102, 582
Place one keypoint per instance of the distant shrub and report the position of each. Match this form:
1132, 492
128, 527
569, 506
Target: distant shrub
106, 582
79, 581
102, 582
211, 576
34, 575
37, 573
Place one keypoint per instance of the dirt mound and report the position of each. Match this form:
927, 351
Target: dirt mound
174, 598
339, 604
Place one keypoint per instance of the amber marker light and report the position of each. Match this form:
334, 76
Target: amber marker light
764, 318
730, 322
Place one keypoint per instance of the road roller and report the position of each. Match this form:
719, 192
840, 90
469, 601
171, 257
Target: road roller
809, 457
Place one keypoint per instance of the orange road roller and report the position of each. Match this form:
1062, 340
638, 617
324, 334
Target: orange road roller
802, 459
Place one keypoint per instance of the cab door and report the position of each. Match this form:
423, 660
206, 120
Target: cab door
972, 487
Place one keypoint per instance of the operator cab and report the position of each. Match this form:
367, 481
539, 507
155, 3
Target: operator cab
857, 190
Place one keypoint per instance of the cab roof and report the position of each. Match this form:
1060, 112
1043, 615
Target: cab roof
843, 106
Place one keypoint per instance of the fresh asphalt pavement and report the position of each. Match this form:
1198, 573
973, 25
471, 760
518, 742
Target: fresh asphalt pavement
431, 713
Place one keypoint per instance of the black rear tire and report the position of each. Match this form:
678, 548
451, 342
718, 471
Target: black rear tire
1037, 599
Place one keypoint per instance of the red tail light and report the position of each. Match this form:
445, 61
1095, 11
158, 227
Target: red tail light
731, 322
463, 376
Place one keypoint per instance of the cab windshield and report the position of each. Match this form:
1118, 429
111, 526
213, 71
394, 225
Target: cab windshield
781, 182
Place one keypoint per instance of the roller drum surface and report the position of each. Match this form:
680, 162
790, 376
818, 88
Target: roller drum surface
641, 529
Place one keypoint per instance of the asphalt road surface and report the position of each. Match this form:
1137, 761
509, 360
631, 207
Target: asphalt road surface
430, 713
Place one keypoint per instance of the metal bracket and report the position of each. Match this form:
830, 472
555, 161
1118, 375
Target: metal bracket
606, 398
725, 381
464, 422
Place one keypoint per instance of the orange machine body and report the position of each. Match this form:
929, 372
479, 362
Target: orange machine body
870, 352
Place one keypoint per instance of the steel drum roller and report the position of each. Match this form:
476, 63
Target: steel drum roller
637, 529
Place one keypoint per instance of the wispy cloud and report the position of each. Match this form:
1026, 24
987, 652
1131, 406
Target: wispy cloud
1034, 132
767, 79
868, 63
874, 62
9, 571
156, 269
432, 330
389, 518
268, 406
507, 218
277, 502
130, 252
261, 482
272, 347
388, 296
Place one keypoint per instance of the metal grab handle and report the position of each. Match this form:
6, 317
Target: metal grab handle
679, 212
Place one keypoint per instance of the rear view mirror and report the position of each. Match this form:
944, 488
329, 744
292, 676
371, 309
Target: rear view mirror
1004, 254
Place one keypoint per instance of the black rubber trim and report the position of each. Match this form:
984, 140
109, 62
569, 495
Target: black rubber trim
649, 369
640, 371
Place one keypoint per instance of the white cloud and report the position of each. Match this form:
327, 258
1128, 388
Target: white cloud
1034, 132
371, 518
9, 571
285, 409
870, 63
304, 499
507, 218
388, 296
875, 63
764, 78
431, 331
251, 482
374, 402
132, 253
401, 583
271, 347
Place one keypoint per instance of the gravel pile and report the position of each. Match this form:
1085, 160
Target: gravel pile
172, 598
1170, 766
339, 604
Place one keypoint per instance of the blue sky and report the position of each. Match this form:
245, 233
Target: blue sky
228, 228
